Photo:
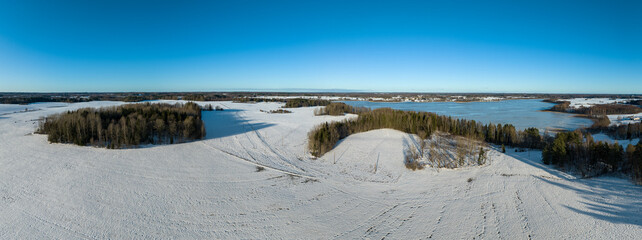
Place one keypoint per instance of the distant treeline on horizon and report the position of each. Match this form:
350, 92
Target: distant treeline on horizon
26, 98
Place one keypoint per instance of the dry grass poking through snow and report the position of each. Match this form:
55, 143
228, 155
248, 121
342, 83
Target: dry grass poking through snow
446, 151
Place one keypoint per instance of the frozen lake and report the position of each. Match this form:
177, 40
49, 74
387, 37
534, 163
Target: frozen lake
521, 113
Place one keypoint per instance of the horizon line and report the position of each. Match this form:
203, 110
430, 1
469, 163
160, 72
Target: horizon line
310, 90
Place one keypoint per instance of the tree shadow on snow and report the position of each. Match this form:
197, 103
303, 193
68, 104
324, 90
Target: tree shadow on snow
226, 123
624, 208
527, 158
606, 198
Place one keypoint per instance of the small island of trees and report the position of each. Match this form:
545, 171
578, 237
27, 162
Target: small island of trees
126, 125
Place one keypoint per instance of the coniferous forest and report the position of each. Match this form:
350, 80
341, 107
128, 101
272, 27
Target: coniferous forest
126, 125
579, 152
623, 131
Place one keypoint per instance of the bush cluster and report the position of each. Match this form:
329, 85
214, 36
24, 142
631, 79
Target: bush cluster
411, 160
600, 122
280, 111
338, 109
562, 106
126, 125
304, 102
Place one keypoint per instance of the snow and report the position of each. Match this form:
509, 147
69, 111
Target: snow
588, 102
616, 119
491, 99
624, 119
13, 108
214, 188
376, 156
605, 138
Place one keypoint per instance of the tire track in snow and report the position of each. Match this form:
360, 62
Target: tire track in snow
490, 217
256, 163
261, 165
364, 223
264, 142
484, 221
453, 203
56, 225
340, 207
404, 220
441, 215
520, 209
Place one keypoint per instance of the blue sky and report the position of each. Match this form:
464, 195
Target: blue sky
427, 46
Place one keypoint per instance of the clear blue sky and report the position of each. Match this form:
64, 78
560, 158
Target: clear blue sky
433, 46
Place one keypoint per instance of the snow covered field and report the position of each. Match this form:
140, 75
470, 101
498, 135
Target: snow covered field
624, 119
588, 102
253, 178
616, 119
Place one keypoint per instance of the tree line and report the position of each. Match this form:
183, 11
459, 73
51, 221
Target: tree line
578, 151
34, 99
126, 125
26, 98
338, 109
623, 131
258, 99
305, 102
325, 136
635, 102
289, 102
596, 110
606, 109
602, 124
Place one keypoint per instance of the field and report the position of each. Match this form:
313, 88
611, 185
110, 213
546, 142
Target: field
252, 177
